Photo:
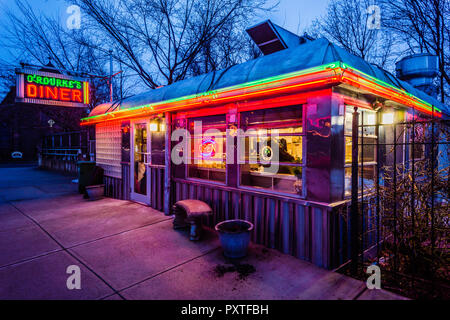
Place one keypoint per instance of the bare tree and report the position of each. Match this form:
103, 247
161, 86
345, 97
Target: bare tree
7, 80
423, 26
37, 38
229, 47
154, 42
348, 24
164, 41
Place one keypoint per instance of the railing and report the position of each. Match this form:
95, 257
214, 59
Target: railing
62, 151
403, 223
66, 153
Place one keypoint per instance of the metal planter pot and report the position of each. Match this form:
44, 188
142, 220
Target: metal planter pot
234, 236
95, 192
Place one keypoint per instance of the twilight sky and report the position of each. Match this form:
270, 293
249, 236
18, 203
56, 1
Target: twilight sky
294, 15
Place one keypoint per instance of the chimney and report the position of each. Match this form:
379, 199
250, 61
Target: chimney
419, 70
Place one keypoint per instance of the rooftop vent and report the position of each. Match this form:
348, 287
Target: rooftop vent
271, 38
419, 70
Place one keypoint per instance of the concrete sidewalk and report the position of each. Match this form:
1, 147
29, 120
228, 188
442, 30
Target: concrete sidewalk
129, 251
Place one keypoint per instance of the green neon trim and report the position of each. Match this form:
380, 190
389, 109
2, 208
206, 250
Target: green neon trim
333, 65
381, 82
53, 81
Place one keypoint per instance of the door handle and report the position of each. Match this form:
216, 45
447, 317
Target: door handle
147, 156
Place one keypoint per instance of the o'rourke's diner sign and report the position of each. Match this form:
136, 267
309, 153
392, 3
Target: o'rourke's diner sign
52, 89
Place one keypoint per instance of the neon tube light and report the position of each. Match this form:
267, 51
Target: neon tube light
313, 77
390, 94
213, 97
51, 89
385, 84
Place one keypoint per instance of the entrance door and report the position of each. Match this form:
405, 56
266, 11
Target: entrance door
140, 158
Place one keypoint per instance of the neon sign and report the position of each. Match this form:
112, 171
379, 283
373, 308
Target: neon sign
208, 148
266, 153
52, 89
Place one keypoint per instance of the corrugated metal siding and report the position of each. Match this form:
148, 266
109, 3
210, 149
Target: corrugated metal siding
157, 187
126, 188
304, 231
108, 148
318, 234
120, 188
113, 187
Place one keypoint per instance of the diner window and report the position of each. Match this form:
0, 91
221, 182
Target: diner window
262, 133
416, 149
417, 152
367, 159
208, 151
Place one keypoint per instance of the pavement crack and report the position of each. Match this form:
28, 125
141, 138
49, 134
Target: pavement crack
359, 294
169, 269
116, 234
31, 258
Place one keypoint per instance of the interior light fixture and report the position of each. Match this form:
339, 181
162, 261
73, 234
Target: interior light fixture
153, 126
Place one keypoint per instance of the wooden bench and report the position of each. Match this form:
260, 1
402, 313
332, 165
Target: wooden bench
190, 212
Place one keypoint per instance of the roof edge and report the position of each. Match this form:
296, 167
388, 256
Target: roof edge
213, 94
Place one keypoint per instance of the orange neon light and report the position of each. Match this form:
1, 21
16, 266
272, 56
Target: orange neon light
220, 98
51, 93
324, 77
76, 96
65, 94
386, 92
32, 91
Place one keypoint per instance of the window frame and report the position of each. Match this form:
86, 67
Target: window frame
301, 195
361, 164
410, 154
190, 158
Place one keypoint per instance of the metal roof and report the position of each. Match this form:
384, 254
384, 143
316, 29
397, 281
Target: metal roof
310, 54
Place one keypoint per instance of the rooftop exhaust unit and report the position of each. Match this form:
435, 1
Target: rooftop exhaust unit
271, 38
419, 70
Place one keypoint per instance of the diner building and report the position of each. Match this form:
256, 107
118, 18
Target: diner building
296, 102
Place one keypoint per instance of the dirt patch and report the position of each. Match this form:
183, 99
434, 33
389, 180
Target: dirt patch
262, 254
220, 270
243, 270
